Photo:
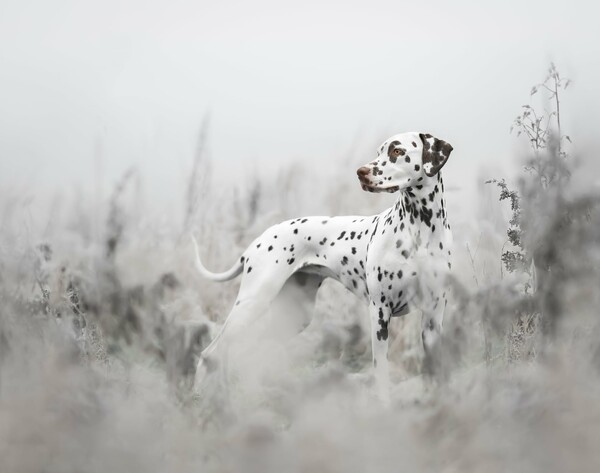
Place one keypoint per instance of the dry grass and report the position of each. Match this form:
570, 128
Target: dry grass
99, 335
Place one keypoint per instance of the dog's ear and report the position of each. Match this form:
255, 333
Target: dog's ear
435, 153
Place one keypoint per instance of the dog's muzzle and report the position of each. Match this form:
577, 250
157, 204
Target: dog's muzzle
363, 176
363, 173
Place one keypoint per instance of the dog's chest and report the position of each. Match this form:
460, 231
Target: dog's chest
404, 256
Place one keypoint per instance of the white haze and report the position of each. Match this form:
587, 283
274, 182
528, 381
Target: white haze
97, 345
89, 89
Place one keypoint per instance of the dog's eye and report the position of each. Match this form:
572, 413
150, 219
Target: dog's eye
396, 151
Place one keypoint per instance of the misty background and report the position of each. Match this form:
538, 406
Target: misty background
125, 126
90, 89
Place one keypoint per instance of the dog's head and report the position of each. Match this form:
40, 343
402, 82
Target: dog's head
404, 160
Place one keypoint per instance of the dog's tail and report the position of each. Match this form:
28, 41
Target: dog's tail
234, 271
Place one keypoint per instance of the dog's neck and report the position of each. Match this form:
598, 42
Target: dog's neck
424, 203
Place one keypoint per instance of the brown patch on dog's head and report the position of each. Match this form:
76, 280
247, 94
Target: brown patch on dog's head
435, 153
395, 150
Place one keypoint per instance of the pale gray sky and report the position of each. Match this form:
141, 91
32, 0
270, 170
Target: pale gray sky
309, 79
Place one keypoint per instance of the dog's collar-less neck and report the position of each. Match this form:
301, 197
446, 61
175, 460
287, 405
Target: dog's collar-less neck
424, 203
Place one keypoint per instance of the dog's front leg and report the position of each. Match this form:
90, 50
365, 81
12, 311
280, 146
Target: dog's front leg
380, 318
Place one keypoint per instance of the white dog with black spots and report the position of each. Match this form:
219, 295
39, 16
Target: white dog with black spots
395, 261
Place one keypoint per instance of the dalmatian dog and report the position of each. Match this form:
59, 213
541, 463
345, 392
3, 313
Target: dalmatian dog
395, 261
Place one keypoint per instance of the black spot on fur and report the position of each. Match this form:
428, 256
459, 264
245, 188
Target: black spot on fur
382, 333
426, 215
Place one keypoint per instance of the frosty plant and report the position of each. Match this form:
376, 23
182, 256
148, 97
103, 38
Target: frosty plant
537, 127
544, 134
544, 221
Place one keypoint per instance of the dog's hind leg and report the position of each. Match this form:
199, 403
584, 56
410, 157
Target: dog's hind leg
294, 307
254, 299
239, 322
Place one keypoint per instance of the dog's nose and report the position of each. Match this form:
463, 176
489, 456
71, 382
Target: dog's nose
363, 172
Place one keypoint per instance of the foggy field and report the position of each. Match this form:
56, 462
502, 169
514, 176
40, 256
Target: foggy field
127, 127
103, 316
